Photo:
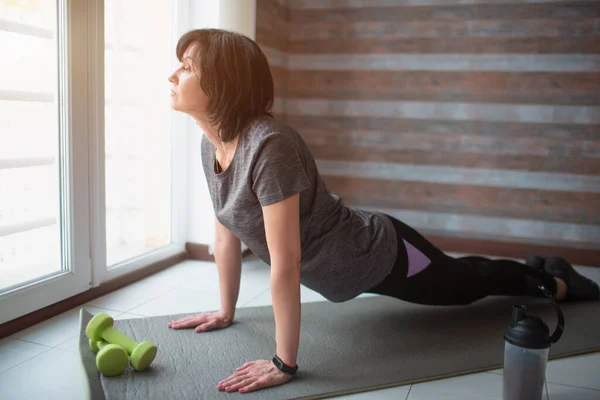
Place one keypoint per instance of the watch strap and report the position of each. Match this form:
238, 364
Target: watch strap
283, 367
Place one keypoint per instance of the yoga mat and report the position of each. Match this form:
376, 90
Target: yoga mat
364, 344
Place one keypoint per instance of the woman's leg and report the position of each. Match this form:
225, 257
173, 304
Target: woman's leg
424, 274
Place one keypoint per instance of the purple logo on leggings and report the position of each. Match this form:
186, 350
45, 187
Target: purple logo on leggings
417, 261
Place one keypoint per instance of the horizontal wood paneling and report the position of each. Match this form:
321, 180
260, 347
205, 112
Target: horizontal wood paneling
435, 29
327, 4
464, 45
381, 154
272, 35
475, 121
515, 230
272, 25
452, 142
513, 249
515, 11
528, 113
445, 62
569, 207
495, 177
271, 39
497, 87
400, 125
280, 80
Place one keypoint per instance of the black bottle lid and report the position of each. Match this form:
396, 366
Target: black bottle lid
527, 331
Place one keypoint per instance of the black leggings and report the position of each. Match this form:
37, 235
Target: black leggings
456, 281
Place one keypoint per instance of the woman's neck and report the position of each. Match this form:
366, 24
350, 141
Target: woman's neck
224, 152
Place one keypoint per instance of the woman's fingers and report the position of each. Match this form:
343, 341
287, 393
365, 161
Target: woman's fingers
202, 322
207, 326
174, 324
232, 380
246, 366
185, 324
188, 322
253, 386
239, 384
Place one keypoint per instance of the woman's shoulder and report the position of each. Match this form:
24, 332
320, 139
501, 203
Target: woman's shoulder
263, 128
270, 132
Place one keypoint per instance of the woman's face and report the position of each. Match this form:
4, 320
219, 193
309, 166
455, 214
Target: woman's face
186, 94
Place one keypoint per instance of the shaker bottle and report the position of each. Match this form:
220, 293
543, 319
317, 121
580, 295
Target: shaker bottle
526, 349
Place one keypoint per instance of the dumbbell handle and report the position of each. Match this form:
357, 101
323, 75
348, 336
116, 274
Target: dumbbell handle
115, 336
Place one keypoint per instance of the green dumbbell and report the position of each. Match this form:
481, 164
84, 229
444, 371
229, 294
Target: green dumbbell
111, 359
101, 328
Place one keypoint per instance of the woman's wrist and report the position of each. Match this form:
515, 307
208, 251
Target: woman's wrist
288, 359
227, 315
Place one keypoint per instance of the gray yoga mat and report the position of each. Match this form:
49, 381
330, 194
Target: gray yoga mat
364, 344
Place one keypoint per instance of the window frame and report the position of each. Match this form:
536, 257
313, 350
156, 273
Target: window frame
82, 100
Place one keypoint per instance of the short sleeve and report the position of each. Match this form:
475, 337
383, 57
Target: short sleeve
278, 172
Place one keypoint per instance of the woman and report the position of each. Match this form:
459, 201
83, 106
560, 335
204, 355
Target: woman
267, 192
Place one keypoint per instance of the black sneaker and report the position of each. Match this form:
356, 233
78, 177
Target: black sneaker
535, 262
578, 286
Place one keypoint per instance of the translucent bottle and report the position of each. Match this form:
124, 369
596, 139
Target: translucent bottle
526, 349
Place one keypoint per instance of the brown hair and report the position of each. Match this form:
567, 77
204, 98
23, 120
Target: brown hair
234, 74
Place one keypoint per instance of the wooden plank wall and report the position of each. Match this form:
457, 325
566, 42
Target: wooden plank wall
476, 122
272, 18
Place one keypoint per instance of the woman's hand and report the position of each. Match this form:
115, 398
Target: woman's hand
253, 376
206, 321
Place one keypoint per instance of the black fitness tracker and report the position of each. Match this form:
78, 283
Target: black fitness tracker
283, 367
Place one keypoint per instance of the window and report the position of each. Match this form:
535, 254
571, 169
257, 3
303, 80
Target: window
87, 170
30, 190
137, 135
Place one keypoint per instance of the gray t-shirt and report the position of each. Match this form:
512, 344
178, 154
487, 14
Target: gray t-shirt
345, 251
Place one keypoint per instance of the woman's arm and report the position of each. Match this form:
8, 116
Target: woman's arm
282, 228
228, 257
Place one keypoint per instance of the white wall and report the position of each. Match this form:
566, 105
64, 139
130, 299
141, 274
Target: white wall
234, 15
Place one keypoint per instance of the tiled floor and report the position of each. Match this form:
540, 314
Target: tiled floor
42, 361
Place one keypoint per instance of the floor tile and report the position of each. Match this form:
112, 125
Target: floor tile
55, 374
306, 296
180, 301
201, 291
264, 299
576, 371
185, 300
254, 273
561, 392
13, 352
470, 387
57, 330
137, 293
396, 393
129, 316
184, 273
582, 371
70, 345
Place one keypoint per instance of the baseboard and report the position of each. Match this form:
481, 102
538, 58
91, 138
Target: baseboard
35, 317
199, 252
